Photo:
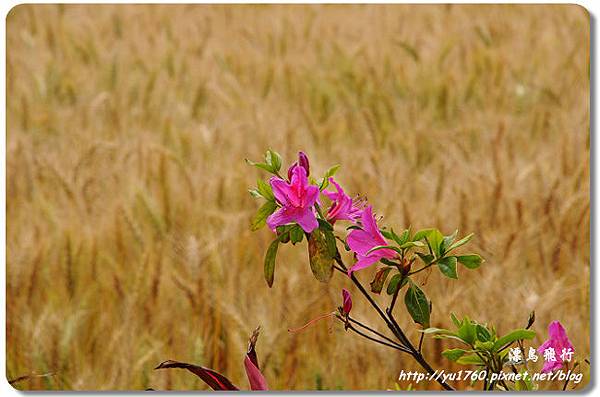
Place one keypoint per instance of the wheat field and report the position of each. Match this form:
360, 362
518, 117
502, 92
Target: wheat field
128, 239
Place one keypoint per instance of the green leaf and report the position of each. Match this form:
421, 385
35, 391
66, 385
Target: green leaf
470, 261
263, 166
379, 279
426, 258
296, 234
270, 262
453, 354
455, 320
260, 219
404, 236
483, 334
447, 241
380, 247
467, 331
324, 182
435, 238
471, 359
421, 234
417, 305
460, 242
487, 346
513, 336
411, 244
320, 254
434, 330
254, 193
265, 190
332, 171
396, 283
273, 159
448, 267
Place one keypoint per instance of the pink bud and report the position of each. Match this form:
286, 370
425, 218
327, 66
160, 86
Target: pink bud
347, 299
303, 162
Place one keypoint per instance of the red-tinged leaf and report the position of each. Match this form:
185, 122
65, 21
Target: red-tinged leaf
252, 347
255, 377
212, 378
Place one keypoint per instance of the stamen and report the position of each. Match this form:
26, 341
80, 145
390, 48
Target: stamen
311, 322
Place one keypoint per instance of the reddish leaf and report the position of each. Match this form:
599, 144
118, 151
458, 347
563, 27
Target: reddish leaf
255, 377
212, 378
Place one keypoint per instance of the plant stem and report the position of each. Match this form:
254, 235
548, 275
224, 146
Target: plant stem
392, 325
402, 349
373, 331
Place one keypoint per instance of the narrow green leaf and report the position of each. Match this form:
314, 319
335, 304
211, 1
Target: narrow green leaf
396, 283
417, 305
411, 244
471, 359
455, 320
380, 247
453, 354
270, 262
263, 166
470, 261
448, 267
513, 336
260, 219
460, 242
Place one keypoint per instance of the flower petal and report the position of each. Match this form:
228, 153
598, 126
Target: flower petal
307, 220
281, 190
363, 262
282, 216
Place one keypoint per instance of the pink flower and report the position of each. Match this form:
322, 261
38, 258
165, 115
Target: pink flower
363, 240
347, 299
297, 199
558, 341
302, 162
343, 208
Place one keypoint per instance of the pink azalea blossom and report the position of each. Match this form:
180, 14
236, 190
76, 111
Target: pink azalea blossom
361, 241
297, 199
343, 207
347, 299
558, 341
302, 162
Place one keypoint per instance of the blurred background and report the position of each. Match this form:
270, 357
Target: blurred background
128, 238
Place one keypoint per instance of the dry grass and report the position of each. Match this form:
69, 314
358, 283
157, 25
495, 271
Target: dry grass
128, 239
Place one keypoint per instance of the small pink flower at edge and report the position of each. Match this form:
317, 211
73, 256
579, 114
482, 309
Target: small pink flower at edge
558, 340
297, 199
347, 299
363, 240
343, 207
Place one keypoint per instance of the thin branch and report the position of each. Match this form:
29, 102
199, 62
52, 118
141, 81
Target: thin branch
373, 331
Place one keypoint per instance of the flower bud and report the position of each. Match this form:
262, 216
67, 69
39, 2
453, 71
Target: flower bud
347, 299
303, 162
